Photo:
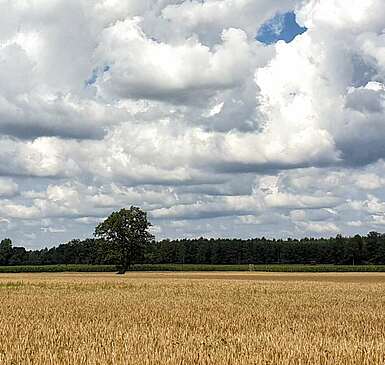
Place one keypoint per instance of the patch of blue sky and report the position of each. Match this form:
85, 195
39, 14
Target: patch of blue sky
96, 72
92, 78
280, 27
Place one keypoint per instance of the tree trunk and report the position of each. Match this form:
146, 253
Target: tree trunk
124, 265
121, 270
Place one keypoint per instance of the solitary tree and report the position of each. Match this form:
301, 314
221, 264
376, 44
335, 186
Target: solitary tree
127, 233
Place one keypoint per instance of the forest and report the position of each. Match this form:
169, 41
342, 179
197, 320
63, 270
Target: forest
339, 250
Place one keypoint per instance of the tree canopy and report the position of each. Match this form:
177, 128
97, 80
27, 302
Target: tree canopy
5, 251
124, 240
127, 231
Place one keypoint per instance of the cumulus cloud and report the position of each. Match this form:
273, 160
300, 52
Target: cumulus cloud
140, 67
208, 18
175, 106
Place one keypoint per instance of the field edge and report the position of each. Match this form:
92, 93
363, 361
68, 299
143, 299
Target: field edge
195, 267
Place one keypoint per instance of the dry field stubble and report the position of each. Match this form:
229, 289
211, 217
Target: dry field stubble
221, 318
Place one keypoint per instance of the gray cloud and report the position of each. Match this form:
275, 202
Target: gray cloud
172, 105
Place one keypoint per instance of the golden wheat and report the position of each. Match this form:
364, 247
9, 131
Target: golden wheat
159, 318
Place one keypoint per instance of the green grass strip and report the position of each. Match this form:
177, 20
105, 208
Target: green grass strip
195, 267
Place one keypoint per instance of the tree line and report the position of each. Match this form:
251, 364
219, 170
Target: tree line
369, 249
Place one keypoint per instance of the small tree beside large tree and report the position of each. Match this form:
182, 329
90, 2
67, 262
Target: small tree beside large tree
127, 233
5, 251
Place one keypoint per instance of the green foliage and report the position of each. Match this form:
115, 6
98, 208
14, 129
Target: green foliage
338, 251
56, 268
330, 253
127, 233
5, 251
194, 267
262, 268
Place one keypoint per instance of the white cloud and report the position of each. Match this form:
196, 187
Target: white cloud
325, 228
18, 211
141, 67
8, 187
209, 17
174, 106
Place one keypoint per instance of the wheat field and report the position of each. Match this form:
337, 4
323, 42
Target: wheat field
192, 318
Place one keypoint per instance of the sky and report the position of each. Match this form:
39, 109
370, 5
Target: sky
220, 118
